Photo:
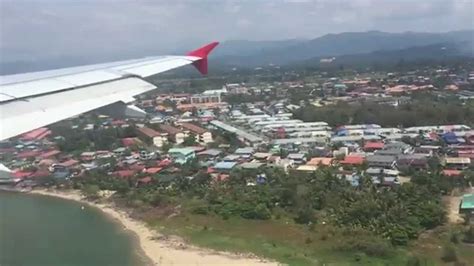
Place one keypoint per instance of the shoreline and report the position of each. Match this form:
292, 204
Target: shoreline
159, 250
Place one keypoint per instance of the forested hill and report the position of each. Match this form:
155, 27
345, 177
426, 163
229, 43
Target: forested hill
349, 43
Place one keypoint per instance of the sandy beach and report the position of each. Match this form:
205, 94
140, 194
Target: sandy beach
162, 250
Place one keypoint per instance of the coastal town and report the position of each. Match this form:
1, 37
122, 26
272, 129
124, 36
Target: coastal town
174, 129
248, 129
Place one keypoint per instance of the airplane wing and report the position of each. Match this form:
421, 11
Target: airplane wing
32, 100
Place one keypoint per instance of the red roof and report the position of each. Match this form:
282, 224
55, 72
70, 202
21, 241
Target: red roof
374, 145
127, 142
451, 172
353, 160
48, 154
36, 134
41, 173
69, 163
164, 163
320, 161
137, 167
124, 173
28, 154
153, 170
193, 128
21, 174
145, 180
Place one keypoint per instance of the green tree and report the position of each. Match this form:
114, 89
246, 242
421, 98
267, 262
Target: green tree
91, 192
190, 140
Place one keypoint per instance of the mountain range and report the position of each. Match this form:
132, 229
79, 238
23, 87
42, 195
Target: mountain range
334, 45
349, 46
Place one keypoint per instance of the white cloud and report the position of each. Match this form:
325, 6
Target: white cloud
44, 27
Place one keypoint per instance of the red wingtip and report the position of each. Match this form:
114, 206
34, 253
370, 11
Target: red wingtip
202, 52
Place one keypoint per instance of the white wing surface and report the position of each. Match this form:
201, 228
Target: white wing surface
32, 100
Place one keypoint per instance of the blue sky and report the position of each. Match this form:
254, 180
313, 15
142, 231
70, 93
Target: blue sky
30, 28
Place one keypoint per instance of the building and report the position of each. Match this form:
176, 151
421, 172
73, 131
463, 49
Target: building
415, 161
154, 137
459, 163
182, 155
174, 134
224, 167
353, 160
241, 135
467, 204
382, 161
202, 135
297, 158
205, 98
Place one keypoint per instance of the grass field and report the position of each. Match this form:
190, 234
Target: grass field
286, 243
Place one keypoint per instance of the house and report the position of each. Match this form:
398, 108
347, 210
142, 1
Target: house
231, 158
247, 151
224, 167
307, 168
87, 156
318, 161
120, 151
415, 161
353, 160
262, 156
383, 161
152, 170
452, 172
36, 134
251, 165
297, 158
128, 142
174, 134
398, 145
49, 154
467, 204
124, 173
182, 155
459, 163
202, 135
152, 136
69, 163
372, 146
210, 154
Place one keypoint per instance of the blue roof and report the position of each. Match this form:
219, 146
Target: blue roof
225, 165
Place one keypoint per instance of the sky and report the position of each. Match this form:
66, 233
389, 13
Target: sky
41, 28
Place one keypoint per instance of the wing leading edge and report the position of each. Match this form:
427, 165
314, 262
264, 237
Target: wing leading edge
32, 100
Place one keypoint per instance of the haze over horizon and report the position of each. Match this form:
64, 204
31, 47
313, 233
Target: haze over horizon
46, 28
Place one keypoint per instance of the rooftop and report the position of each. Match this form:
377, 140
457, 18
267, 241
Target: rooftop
225, 165
151, 133
193, 128
184, 151
170, 129
467, 202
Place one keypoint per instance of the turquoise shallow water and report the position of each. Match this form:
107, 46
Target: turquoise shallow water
41, 230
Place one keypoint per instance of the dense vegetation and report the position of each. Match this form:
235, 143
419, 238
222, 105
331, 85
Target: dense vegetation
381, 218
416, 113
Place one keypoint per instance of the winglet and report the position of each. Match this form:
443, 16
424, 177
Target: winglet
202, 52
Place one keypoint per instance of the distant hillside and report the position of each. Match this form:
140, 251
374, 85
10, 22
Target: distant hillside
243, 53
434, 52
344, 44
